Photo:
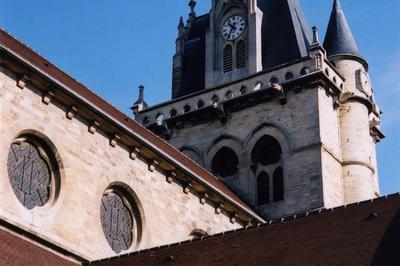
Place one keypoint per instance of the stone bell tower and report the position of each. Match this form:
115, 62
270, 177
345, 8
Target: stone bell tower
287, 123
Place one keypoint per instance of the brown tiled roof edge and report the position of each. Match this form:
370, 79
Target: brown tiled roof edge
40, 241
66, 82
268, 223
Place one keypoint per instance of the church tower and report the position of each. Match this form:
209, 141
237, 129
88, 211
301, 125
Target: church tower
288, 123
359, 116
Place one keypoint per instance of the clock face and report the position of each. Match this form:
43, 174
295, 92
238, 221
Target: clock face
233, 27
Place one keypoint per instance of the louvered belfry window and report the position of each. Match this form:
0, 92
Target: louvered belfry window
228, 58
241, 54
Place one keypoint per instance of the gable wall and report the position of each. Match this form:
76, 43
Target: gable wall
90, 165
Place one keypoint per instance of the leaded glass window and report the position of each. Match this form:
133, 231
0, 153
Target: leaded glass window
117, 222
29, 174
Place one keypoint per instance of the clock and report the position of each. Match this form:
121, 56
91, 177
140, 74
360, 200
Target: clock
364, 82
233, 27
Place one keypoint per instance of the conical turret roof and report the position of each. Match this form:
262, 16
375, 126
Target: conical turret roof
338, 39
286, 35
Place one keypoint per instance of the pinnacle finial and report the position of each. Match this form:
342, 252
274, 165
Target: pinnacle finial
192, 5
141, 93
315, 35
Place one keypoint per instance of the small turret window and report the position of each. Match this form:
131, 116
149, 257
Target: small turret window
228, 58
241, 54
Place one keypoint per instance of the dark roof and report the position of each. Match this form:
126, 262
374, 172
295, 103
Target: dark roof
338, 39
113, 115
360, 234
194, 57
18, 247
286, 34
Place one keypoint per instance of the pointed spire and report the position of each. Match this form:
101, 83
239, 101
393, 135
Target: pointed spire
338, 39
181, 27
286, 35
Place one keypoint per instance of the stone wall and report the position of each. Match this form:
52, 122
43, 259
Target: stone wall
88, 166
295, 125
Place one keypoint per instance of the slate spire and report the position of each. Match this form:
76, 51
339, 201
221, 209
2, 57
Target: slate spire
338, 39
286, 35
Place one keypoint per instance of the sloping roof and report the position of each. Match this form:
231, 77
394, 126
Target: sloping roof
338, 39
286, 34
18, 247
360, 234
113, 115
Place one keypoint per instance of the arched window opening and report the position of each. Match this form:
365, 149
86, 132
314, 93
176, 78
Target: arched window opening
186, 109
243, 90
200, 104
198, 234
225, 163
257, 87
228, 95
278, 184
266, 151
214, 99
273, 81
241, 54
305, 71
289, 76
172, 113
228, 58
146, 120
159, 118
263, 189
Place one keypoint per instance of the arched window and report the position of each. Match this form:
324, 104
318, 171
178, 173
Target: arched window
241, 54
273, 81
186, 109
159, 118
198, 234
172, 113
266, 151
228, 95
267, 159
228, 58
214, 99
225, 163
278, 184
146, 120
200, 104
289, 76
263, 188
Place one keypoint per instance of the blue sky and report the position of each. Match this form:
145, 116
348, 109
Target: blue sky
113, 46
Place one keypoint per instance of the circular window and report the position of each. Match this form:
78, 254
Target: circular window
30, 172
117, 220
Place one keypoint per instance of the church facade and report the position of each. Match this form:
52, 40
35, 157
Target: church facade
287, 122
265, 122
